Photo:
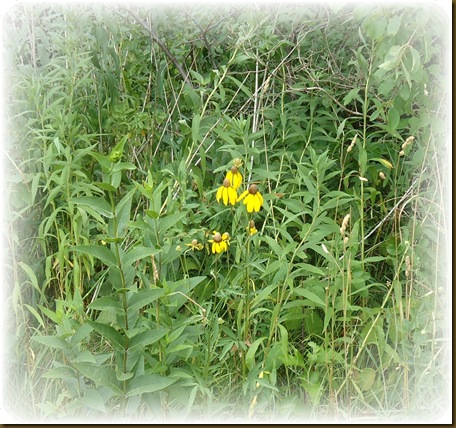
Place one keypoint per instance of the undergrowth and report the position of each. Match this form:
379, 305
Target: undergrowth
226, 213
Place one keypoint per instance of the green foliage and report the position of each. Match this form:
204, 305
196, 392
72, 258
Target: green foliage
124, 124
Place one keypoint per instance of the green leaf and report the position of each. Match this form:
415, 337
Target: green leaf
393, 119
250, 356
102, 253
304, 292
106, 186
195, 127
84, 357
148, 383
123, 166
111, 334
62, 372
138, 253
366, 378
99, 204
52, 342
143, 298
392, 58
384, 162
93, 399
147, 338
105, 303
102, 376
34, 312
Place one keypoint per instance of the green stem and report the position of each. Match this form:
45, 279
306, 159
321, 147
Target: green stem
124, 298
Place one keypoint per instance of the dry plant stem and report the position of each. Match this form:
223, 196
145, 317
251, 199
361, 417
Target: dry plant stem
366, 338
154, 37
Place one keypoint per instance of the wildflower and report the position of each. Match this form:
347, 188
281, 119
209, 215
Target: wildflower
382, 175
235, 177
352, 144
252, 228
220, 242
408, 141
226, 193
253, 198
344, 224
195, 245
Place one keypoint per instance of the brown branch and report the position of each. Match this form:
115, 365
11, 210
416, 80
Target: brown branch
154, 37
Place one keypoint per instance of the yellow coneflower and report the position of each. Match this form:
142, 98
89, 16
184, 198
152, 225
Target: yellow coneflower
220, 242
253, 199
195, 245
235, 177
226, 193
252, 228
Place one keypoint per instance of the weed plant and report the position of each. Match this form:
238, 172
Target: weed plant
226, 213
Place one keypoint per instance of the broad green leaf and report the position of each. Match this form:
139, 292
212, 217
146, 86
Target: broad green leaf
52, 342
99, 204
138, 253
102, 253
105, 303
123, 166
393, 119
195, 127
93, 399
148, 383
123, 210
147, 338
143, 298
34, 312
62, 372
250, 356
111, 334
102, 376
84, 357
365, 378
304, 292
106, 186
392, 58
384, 162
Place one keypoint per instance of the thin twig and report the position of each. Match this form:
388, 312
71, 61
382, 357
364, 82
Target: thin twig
356, 113
406, 194
154, 37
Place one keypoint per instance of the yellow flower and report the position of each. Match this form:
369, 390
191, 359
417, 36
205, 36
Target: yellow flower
226, 193
235, 177
195, 245
253, 198
220, 242
252, 228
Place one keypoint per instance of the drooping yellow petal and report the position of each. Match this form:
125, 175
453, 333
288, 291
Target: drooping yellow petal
260, 197
225, 195
250, 199
232, 195
257, 202
219, 193
235, 179
243, 195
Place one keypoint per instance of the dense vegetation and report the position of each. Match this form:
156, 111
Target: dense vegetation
327, 301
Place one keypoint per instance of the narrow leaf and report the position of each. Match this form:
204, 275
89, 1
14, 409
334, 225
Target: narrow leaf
102, 253
111, 334
148, 383
138, 253
143, 298
100, 204
310, 296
